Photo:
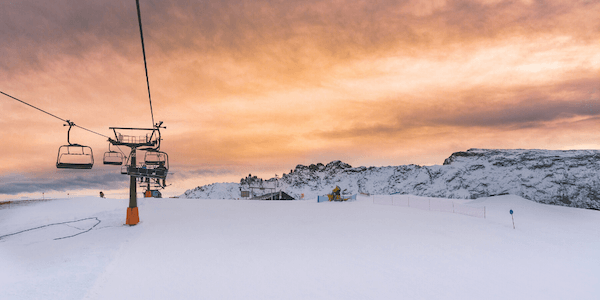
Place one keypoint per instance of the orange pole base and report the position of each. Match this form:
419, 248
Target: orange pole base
133, 217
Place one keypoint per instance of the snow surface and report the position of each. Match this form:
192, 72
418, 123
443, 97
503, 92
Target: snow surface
242, 249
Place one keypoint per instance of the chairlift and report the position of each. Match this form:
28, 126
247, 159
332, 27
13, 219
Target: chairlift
126, 165
156, 158
113, 157
74, 156
158, 162
149, 171
155, 163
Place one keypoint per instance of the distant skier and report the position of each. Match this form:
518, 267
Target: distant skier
101, 194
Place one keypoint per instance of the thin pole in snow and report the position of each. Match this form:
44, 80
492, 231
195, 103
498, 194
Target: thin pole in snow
484, 212
513, 218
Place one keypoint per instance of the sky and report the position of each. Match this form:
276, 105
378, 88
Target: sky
261, 86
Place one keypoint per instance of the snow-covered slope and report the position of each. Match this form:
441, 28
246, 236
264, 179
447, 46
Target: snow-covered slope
296, 250
568, 178
220, 190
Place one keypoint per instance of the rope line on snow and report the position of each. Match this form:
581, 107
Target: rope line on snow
61, 223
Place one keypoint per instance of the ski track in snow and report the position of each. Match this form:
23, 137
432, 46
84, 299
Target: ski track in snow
229, 249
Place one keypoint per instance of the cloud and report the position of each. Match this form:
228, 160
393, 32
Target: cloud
509, 109
37, 34
181, 171
262, 84
12, 184
286, 37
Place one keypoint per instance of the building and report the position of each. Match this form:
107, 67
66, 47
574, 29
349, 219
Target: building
274, 196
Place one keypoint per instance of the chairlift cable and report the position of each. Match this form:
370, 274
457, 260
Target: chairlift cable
7, 95
91, 131
137, 3
66, 121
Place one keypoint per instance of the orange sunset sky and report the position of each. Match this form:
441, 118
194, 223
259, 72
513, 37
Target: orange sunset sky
261, 86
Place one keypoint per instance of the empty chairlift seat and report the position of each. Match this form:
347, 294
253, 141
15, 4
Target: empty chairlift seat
75, 156
113, 158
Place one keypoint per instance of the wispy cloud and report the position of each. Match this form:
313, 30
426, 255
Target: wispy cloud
13, 184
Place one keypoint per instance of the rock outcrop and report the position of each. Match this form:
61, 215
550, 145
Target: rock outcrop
568, 178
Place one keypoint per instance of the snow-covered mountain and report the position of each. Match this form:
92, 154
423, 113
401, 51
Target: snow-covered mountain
567, 178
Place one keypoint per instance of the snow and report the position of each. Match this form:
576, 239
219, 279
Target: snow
243, 249
566, 178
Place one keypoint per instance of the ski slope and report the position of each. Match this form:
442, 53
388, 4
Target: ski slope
242, 249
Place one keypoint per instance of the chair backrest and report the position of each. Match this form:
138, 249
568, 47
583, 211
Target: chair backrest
156, 158
75, 157
113, 158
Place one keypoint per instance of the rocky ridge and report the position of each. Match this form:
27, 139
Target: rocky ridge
567, 178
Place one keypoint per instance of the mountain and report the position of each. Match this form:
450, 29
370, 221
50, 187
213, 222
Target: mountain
567, 178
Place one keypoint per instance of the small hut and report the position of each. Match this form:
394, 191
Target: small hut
274, 196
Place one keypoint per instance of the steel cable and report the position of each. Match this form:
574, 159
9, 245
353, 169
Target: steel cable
137, 3
66, 121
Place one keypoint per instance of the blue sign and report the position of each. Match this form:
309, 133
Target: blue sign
511, 212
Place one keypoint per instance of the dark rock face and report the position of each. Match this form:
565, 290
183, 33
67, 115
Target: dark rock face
567, 178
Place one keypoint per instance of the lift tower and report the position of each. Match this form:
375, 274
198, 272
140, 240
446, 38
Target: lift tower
148, 142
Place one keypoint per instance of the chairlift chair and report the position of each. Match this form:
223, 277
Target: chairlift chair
157, 162
156, 158
113, 157
74, 156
